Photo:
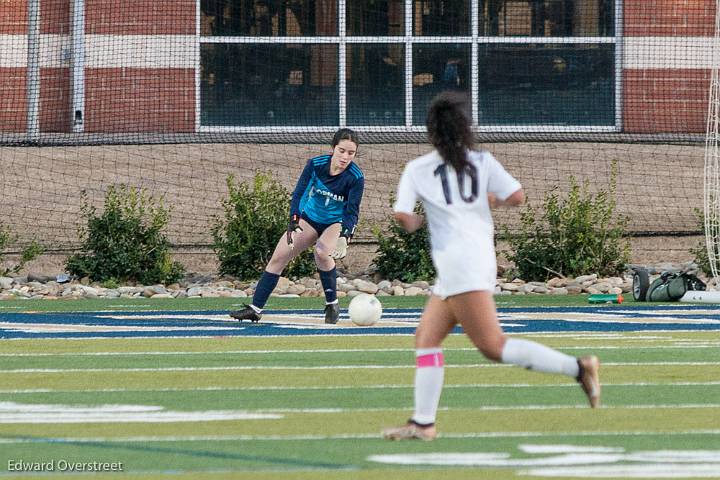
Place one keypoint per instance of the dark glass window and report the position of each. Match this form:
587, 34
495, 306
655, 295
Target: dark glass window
376, 84
375, 17
268, 18
269, 84
547, 18
437, 67
441, 17
547, 84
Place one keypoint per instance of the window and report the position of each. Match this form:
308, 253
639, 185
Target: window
547, 18
441, 17
268, 18
437, 67
379, 18
548, 84
543, 64
269, 85
376, 84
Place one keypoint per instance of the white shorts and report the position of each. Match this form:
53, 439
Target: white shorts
460, 273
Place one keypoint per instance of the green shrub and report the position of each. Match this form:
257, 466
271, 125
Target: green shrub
700, 250
255, 216
571, 236
27, 254
125, 242
404, 256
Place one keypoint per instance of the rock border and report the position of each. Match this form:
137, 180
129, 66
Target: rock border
212, 286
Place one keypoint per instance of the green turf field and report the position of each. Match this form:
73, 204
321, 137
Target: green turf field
40, 305
307, 407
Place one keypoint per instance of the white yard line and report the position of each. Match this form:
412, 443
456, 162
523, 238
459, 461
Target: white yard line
349, 387
324, 367
346, 436
694, 345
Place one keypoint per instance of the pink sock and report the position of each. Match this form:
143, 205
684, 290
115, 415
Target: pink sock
429, 376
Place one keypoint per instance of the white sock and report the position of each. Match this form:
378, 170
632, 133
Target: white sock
257, 310
429, 376
537, 357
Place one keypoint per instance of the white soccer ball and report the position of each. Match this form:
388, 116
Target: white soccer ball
365, 310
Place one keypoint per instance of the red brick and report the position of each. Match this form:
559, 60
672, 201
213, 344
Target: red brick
665, 101
139, 100
140, 17
13, 17
13, 104
55, 100
55, 17
669, 18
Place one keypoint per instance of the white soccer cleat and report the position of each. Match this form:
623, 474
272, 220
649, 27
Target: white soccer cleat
589, 378
411, 431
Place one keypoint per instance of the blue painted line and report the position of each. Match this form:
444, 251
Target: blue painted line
191, 324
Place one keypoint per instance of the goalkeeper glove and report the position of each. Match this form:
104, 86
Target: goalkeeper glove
341, 246
293, 228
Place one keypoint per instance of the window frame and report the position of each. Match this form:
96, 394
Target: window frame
342, 40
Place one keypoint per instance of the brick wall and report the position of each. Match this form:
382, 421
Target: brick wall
130, 85
13, 108
139, 100
140, 17
664, 18
658, 99
135, 86
664, 100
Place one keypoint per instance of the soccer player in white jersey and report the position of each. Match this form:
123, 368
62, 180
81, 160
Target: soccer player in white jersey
458, 185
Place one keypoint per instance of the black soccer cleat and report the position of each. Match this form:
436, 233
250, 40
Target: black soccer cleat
332, 313
247, 313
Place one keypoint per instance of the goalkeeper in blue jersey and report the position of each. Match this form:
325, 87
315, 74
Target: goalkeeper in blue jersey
324, 212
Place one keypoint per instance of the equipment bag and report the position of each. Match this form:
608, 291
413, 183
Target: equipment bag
670, 287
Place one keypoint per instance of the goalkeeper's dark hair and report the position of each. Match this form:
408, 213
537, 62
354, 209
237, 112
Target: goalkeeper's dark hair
345, 134
448, 126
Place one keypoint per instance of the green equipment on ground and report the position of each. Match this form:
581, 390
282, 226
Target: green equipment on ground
605, 298
668, 287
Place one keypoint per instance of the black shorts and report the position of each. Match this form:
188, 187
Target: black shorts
319, 227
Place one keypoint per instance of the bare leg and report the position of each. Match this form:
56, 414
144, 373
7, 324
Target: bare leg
477, 314
283, 254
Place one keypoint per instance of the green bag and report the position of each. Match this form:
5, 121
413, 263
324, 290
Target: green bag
670, 287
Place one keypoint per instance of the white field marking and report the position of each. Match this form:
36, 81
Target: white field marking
695, 344
493, 408
227, 368
81, 327
224, 352
611, 317
106, 414
660, 464
11, 412
532, 448
324, 367
343, 436
350, 387
155, 315
676, 310
590, 335
280, 320
130, 305
343, 336
665, 470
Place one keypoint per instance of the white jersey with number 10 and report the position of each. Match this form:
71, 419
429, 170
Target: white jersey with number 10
458, 216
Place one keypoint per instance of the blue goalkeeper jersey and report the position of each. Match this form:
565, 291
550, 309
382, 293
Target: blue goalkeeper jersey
329, 199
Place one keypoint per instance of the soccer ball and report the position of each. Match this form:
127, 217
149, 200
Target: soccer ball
365, 310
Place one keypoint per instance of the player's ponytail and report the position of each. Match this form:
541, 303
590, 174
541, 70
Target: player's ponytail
448, 125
